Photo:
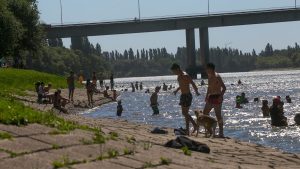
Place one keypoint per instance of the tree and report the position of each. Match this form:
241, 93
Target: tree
98, 49
57, 42
11, 31
137, 54
131, 54
253, 53
126, 55
268, 50
26, 11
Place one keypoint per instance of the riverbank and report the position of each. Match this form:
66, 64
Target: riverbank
80, 103
42, 138
127, 145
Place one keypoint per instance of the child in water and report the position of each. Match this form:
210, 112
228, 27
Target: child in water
238, 102
153, 101
119, 108
277, 114
265, 108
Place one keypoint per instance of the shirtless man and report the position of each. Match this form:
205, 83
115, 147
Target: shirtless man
186, 97
71, 85
214, 95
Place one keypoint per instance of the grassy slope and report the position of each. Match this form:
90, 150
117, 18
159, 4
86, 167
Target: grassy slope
13, 112
14, 80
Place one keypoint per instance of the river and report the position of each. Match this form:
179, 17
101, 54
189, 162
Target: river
245, 124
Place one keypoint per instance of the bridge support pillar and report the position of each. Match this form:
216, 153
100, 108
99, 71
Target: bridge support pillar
191, 53
204, 50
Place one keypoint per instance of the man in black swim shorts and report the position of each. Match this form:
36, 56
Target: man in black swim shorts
186, 97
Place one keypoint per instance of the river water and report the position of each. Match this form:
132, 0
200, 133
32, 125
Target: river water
245, 124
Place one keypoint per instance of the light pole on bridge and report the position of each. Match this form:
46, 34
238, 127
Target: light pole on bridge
208, 7
61, 13
295, 3
139, 9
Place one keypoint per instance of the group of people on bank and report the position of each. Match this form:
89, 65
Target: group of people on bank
59, 102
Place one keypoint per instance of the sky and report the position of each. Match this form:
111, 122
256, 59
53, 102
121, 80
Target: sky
245, 38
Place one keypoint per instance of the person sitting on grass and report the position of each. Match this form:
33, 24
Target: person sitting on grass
41, 93
153, 101
47, 92
60, 102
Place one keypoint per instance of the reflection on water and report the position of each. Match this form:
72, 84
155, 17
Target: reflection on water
246, 124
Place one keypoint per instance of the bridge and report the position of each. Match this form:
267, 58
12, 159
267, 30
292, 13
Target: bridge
187, 23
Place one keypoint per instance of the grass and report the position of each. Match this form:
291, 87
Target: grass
113, 135
147, 145
13, 112
4, 135
17, 81
55, 146
112, 153
186, 151
99, 138
86, 142
130, 139
148, 165
65, 162
57, 132
165, 161
128, 152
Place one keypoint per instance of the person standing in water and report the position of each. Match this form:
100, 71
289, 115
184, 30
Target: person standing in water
214, 96
186, 97
119, 108
153, 101
112, 82
71, 85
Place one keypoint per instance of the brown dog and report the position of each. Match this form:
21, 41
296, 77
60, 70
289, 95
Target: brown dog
208, 122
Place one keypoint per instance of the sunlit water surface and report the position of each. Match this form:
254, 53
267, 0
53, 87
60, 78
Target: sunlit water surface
245, 124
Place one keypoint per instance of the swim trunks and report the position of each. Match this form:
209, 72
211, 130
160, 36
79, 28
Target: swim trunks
186, 100
214, 99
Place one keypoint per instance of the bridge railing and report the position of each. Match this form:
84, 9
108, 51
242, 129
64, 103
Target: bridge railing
180, 15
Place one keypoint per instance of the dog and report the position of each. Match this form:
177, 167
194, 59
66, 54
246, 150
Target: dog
209, 123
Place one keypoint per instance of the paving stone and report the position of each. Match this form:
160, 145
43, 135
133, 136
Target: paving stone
105, 164
3, 155
12, 134
41, 160
79, 153
127, 162
73, 138
28, 130
22, 145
